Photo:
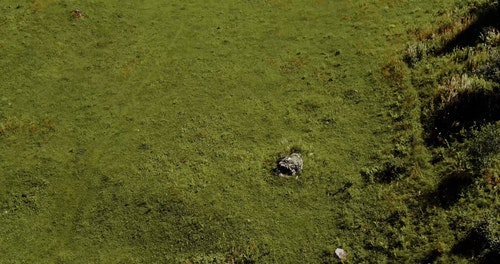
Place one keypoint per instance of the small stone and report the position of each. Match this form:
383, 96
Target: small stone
77, 13
290, 165
341, 254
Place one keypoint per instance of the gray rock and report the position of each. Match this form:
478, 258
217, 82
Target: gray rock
289, 165
341, 253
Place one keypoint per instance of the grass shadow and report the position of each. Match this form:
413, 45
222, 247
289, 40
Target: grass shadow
468, 110
450, 189
479, 244
487, 16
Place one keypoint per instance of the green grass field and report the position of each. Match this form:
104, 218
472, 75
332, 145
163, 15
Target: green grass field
146, 131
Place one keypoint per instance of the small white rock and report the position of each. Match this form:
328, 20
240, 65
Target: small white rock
342, 254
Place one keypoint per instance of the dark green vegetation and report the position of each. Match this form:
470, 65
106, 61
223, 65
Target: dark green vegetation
451, 86
146, 131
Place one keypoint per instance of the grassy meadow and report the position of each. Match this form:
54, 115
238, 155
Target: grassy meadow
147, 131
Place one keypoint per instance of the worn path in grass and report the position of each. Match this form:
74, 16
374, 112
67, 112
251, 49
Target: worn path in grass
146, 131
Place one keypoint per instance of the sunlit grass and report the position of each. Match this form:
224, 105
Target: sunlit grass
147, 132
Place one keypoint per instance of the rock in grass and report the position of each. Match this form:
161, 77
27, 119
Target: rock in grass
289, 165
341, 254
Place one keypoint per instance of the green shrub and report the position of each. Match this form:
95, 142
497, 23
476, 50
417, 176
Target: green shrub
481, 242
484, 146
490, 70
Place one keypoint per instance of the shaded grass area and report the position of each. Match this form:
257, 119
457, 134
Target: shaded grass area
147, 132
450, 93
